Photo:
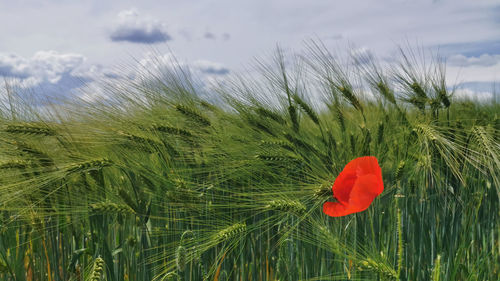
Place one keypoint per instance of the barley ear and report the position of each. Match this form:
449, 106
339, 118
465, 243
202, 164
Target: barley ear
98, 270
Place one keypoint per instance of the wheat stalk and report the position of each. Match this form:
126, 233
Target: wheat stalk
110, 208
295, 207
30, 129
193, 114
96, 164
230, 232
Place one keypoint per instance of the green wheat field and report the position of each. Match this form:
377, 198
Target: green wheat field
166, 180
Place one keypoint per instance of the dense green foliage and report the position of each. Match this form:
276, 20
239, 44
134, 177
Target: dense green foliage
159, 183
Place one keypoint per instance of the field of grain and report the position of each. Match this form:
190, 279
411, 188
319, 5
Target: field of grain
165, 181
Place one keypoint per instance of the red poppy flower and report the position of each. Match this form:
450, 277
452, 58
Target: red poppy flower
355, 187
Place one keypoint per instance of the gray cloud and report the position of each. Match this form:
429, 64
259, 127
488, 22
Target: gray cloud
211, 68
131, 27
209, 35
212, 36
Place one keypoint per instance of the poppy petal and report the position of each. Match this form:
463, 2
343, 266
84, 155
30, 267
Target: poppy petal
368, 165
364, 165
335, 209
343, 185
363, 193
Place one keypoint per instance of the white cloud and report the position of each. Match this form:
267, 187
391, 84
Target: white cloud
96, 72
14, 66
50, 65
156, 62
472, 73
153, 61
54, 75
482, 60
44, 66
362, 55
468, 94
132, 27
200, 74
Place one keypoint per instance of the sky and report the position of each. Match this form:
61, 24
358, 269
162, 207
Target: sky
56, 47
